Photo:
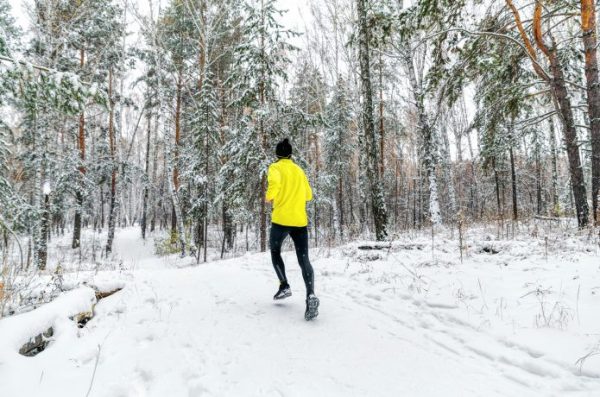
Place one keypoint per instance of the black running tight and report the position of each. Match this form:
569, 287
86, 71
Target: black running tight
300, 237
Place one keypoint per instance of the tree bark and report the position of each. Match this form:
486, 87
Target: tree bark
564, 103
538, 175
44, 231
317, 170
497, 184
154, 173
112, 213
381, 120
262, 137
263, 215
590, 44
340, 206
180, 232
448, 174
147, 171
554, 158
176, 212
229, 229
206, 193
81, 146
513, 179
426, 132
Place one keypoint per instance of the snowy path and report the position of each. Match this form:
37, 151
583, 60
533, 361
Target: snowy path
213, 330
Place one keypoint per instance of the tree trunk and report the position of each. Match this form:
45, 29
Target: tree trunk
448, 174
513, 178
112, 213
197, 238
44, 231
228, 228
81, 146
381, 121
180, 232
317, 170
102, 220
554, 156
428, 148
37, 240
497, 184
414, 209
147, 171
206, 191
176, 212
263, 139
154, 173
590, 44
263, 215
538, 175
396, 193
77, 220
564, 104
340, 207
378, 206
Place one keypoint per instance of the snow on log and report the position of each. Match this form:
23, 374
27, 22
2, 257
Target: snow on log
105, 288
20, 333
374, 246
394, 246
547, 218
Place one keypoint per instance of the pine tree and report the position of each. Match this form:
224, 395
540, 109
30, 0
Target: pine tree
260, 61
378, 206
177, 27
202, 159
590, 42
8, 38
339, 147
305, 115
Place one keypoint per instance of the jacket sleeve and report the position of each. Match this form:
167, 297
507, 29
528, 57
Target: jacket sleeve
274, 180
309, 195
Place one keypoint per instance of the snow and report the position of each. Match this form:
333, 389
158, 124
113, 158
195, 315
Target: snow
46, 189
400, 320
17, 330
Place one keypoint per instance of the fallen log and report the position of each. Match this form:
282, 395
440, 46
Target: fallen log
547, 218
373, 247
489, 250
37, 344
106, 294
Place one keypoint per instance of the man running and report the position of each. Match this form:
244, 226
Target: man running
289, 191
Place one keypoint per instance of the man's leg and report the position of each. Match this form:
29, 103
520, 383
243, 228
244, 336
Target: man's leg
300, 237
276, 237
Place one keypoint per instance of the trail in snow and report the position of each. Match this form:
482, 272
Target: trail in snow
213, 330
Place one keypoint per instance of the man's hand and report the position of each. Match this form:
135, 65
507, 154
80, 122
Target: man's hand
268, 201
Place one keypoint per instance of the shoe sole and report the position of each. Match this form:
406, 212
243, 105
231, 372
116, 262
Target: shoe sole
313, 308
286, 295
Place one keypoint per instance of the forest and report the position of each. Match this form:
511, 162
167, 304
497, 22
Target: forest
438, 113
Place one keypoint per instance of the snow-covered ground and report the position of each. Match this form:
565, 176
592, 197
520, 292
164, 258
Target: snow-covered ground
516, 318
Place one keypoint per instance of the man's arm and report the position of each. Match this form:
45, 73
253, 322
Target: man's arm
274, 180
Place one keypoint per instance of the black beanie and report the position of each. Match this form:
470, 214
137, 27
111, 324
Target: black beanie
284, 149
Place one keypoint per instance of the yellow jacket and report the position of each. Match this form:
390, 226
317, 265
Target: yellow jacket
289, 189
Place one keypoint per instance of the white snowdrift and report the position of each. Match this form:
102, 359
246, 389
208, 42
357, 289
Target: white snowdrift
18, 330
